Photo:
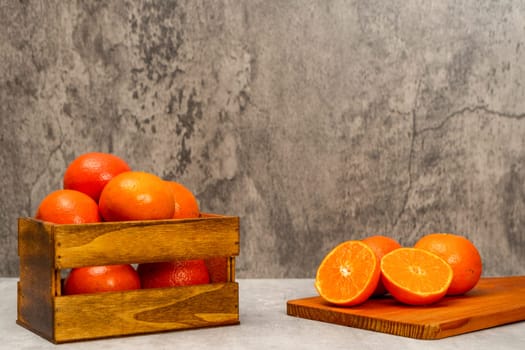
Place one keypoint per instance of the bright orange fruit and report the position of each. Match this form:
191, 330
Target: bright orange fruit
348, 275
218, 269
381, 245
96, 279
186, 205
173, 273
462, 256
68, 207
415, 276
90, 172
136, 195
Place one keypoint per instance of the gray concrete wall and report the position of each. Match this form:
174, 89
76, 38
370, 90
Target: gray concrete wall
314, 121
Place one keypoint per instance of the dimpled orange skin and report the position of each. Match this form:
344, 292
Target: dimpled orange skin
90, 172
381, 245
462, 256
96, 279
136, 195
173, 273
186, 205
68, 207
218, 269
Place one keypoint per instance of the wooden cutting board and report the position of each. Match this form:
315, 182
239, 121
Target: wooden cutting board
494, 301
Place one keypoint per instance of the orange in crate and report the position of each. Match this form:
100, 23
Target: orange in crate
45, 249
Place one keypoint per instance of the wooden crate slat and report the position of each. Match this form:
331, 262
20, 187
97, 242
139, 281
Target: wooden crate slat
145, 242
145, 311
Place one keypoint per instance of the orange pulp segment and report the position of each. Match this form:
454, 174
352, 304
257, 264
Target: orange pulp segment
348, 275
415, 276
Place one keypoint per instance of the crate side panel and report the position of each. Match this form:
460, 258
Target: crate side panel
80, 317
117, 243
36, 286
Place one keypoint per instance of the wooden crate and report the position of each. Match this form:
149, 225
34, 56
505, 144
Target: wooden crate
45, 249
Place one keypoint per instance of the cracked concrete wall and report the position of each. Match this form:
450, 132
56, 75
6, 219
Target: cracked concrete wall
314, 121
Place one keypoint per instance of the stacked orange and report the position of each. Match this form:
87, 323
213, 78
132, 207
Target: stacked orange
103, 187
437, 265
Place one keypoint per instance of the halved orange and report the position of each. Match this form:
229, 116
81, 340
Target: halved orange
415, 276
348, 275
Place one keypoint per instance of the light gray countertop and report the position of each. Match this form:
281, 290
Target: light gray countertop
264, 325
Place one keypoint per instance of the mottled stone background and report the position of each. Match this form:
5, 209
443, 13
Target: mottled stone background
314, 121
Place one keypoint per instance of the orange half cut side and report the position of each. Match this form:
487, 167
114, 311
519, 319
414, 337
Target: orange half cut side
348, 275
415, 276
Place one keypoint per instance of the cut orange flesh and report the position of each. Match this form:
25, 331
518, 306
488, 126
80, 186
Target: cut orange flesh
348, 275
415, 276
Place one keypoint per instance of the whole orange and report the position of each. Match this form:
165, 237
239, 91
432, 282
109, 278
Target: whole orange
90, 172
136, 195
95, 279
218, 269
173, 273
68, 207
462, 256
381, 245
186, 205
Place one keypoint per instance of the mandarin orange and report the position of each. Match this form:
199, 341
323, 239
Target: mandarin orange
90, 172
68, 207
96, 279
462, 256
186, 205
218, 269
348, 274
173, 273
381, 245
415, 276
136, 195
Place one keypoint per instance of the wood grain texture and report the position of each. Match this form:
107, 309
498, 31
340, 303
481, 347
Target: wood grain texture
46, 248
493, 302
37, 284
145, 241
81, 317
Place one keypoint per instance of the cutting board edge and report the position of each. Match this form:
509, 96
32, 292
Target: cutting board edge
405, 329
480, 322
